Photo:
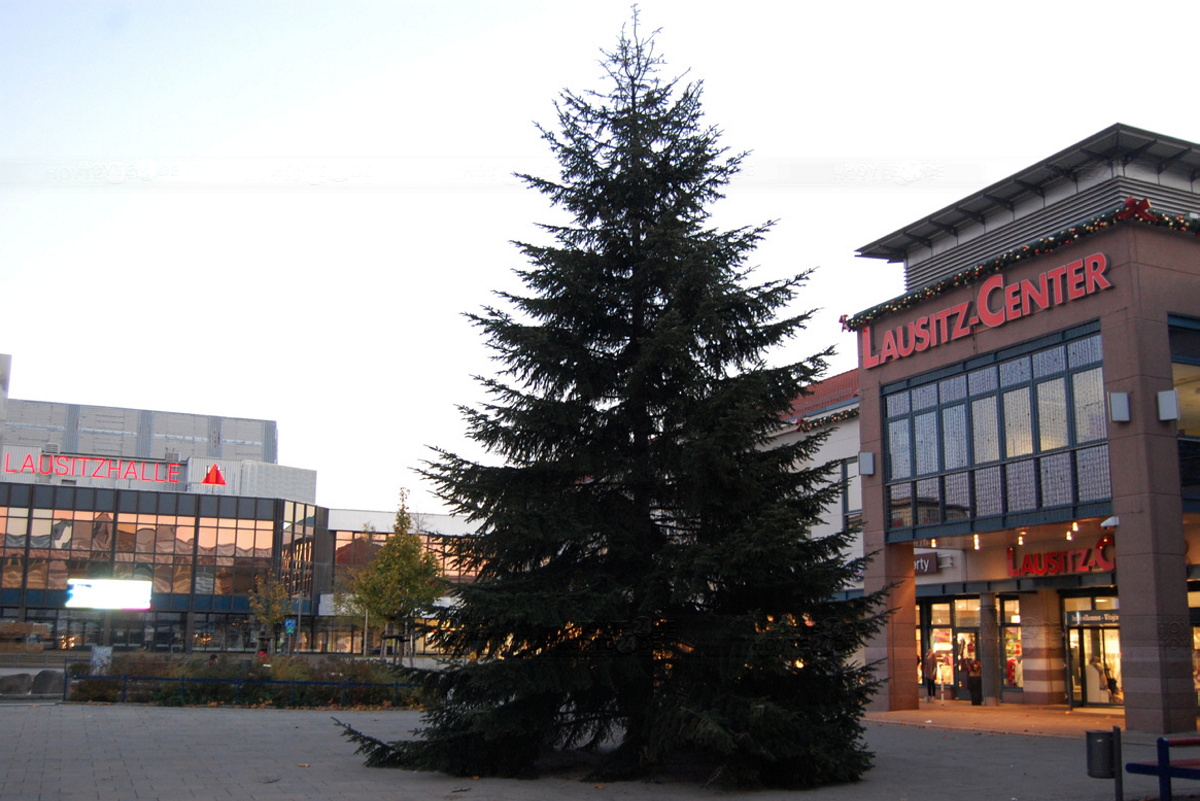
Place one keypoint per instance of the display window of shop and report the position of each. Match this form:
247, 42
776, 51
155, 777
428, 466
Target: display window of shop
1185, 368
1019, 430
950, 628
1093, 649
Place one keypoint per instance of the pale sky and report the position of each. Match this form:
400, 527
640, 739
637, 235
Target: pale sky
282, 210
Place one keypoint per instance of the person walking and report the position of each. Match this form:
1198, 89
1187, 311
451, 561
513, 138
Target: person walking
929, 668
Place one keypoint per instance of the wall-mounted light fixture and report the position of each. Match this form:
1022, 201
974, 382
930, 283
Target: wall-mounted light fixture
866, 463
977, 542
1118, 407
1168, 405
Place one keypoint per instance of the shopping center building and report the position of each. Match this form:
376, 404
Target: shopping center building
1030, 408
194, 507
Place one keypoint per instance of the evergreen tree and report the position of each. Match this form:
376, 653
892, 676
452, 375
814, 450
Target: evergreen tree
646, 571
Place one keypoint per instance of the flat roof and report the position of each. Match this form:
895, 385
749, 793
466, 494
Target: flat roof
1117, 143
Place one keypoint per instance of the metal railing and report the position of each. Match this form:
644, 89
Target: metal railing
205, 691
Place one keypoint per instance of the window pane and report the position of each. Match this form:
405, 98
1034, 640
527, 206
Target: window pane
897, 404
985, 425
900, 505
1015, 372
1088, 389
899, 449
1018, 425
1093, 477
1021, 487
982, 381
929, 502
954, 389
1052, 414
987, 492
924, 397
1187, 384
958, 496
1057, 487
926, 431
1049, 362
1084, 351
954, 437
966, 612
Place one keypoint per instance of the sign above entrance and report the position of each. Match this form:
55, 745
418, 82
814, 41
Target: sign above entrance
996, 304
1093, 617
1056, 563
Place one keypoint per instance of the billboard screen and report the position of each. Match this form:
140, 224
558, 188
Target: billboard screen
108, 594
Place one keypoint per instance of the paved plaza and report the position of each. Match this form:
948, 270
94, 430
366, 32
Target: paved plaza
72, 752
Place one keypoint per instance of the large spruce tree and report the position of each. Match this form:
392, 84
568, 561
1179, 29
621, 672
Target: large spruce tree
648, 583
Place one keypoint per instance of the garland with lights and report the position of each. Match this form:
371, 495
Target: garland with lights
804, 426
1131, 210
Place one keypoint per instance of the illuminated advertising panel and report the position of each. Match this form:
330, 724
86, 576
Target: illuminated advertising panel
108, 594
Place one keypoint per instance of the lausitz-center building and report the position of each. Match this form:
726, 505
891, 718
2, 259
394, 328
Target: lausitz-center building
1030, 408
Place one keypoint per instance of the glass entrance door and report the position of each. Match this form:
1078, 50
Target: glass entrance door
1095, 657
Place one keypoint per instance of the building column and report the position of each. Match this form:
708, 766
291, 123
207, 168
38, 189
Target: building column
894, 648
1043, 655
989, 648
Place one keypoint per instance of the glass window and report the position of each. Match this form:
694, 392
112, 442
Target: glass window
1088, 389
1018, 424
899, 449
924, 397
1015, 372
966, 612
1050, 361
900, 504
982, 381
953, 389
926, 435
958, 496
1052, 414
987, 492
954, 437
1094, 482
1083, 352
939, 614
929, 502
1021, 486
1058, 488
986, 429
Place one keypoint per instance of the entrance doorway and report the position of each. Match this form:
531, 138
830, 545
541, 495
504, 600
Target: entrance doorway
1094, 662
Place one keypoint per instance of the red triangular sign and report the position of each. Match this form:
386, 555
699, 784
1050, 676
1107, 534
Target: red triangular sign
214, 477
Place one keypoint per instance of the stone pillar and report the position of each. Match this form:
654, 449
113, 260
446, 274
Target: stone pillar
989, 648
1043, 658
895, 647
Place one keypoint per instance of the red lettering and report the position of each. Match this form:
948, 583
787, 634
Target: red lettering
130, 471
1054, 564
1031, 295
1102, 559
7, 469
888, 351
1027, 566
940, 319
962, 326
986, 315
1039, 564
1013, 570
28, 465
1094, 267
62, 466
1012, 301
1075, 280
1055, 276
900, 346
45, 460
173, 474
143, 472
114, 468
921, 333
99, 466
869, 360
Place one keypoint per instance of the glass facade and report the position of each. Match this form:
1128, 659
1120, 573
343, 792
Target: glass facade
1014, 432
202, 553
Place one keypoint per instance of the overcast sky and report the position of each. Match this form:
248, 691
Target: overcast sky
282, 210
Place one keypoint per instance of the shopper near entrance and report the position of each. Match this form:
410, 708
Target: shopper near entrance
929, 667
975, 680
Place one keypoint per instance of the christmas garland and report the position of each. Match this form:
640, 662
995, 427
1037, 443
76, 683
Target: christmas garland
804, 426
1130, 210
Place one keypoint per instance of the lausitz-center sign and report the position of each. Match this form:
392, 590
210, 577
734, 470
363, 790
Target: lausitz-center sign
996, 304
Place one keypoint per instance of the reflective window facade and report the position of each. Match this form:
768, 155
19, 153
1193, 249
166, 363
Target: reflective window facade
1014, 432
202, 553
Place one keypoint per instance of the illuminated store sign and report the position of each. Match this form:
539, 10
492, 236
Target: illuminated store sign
996, 304
1057, 563
96, 467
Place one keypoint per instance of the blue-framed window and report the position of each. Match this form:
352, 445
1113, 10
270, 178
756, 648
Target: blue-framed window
1014, 432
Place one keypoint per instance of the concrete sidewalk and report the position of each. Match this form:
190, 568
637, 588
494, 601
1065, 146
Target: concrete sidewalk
56, 752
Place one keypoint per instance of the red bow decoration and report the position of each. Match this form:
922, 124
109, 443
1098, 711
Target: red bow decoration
845, 318
1136, 208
